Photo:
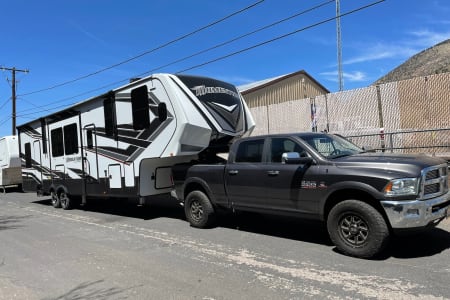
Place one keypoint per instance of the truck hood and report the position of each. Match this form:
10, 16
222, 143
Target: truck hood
398, 164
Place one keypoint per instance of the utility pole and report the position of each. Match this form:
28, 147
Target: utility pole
13, 117
339, 45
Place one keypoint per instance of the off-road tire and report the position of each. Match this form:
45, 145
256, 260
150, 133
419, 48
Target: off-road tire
357, 229
199, 210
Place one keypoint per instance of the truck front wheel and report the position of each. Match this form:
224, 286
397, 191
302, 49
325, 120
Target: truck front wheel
357, 229
199, 210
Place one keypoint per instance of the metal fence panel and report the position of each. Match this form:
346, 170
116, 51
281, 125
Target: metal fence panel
405, 116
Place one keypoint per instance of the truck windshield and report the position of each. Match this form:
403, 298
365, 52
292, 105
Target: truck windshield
331, 146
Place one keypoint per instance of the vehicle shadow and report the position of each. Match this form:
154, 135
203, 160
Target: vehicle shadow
428, 243
278, 226
165, 207
284, 227
93, 290
431, 242
11, 222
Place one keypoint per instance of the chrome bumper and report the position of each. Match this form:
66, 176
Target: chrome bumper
416, 213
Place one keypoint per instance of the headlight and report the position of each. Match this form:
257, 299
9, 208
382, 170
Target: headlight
402, 187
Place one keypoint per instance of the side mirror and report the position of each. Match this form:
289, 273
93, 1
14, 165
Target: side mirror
162, 111
293, 158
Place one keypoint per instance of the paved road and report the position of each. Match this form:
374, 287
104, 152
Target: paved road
116, 251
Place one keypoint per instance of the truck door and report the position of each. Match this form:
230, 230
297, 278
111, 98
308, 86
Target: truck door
243, 178
282, 182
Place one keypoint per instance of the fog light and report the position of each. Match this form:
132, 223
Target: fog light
411, 211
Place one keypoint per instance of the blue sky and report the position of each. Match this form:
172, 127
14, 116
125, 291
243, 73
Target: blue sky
62, 41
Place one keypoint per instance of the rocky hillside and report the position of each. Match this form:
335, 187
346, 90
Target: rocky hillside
431, 61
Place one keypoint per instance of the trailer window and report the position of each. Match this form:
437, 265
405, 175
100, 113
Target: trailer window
44, 136
110, 120
70, 139
57, 142
89, 138
27, 155
250, 151
139, 106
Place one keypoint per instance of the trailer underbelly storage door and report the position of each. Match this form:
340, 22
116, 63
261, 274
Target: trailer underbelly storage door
156, 174
115, 178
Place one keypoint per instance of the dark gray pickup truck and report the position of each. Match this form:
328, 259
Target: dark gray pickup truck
363, 197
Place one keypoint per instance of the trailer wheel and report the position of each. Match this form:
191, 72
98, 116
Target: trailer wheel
55, 200
199, 210
66, 202
357, 229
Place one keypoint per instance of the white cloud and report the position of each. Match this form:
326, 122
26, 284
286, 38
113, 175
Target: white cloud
381, 51
355, 76
427, 38
402, 49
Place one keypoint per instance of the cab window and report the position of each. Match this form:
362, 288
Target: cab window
250, 151
284, 145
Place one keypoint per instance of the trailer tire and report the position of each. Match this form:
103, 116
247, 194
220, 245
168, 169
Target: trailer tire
55, 200
66, 201
199, 210
357, 229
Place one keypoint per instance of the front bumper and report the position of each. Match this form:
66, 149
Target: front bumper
417, 213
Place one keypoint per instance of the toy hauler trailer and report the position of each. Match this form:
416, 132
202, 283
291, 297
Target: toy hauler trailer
125, 142
10, 172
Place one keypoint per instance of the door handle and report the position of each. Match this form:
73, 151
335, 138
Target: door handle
273, 173
233, 172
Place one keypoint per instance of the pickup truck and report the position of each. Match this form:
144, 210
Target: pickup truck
363, 197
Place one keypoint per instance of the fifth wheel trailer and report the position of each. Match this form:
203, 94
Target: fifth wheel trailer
10, 172
125, 142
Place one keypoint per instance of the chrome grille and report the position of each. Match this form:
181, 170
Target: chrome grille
432, 174
434, 181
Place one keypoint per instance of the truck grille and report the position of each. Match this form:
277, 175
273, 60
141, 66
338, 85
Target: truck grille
434, 181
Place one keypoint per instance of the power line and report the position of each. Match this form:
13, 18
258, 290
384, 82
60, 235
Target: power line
240, 37
148, 51
4, 103
228, 55
280, 37
200, 52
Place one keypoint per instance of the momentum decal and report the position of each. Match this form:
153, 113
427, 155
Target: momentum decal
202, 90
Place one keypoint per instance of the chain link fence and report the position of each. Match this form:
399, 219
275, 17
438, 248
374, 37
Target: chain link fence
408, 116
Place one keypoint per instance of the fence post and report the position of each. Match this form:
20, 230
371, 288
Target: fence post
380, 117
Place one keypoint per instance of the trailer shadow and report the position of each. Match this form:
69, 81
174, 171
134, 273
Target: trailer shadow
157, 208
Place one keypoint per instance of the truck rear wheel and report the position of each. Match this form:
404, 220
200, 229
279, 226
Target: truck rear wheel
357, 229
199, 210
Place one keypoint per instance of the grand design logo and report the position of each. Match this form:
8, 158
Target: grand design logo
202, 90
